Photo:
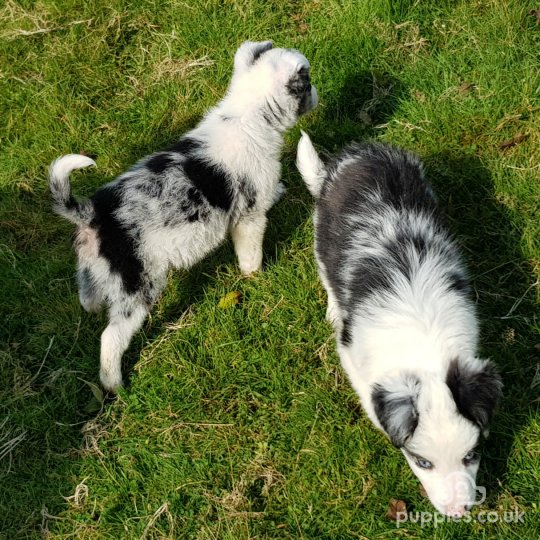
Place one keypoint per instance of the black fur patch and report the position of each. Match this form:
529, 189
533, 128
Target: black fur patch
194, 195
185, 145
458, 282
300, 83
159, 163
210, 181
398, 257
346, 336
393, 174
116, 245
299, 86
259, 51
376, 177
151, 186
370, 276
476, 393
72, 203
396, 408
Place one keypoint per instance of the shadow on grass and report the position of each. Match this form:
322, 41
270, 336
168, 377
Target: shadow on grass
365, 101
500, 277
49, 351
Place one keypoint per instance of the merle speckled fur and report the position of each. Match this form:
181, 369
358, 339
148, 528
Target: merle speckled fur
175, 206
406, 329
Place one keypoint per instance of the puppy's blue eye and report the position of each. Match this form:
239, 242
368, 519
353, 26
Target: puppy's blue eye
424, 463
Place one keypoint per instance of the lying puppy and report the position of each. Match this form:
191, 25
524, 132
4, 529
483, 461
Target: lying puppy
406, 329
177, 205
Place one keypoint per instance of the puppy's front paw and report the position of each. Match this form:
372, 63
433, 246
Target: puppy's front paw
249, 268
111, 381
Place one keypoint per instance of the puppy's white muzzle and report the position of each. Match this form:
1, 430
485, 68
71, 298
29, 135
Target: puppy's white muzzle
453, 495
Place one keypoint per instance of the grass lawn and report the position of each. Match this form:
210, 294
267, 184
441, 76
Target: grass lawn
239, 423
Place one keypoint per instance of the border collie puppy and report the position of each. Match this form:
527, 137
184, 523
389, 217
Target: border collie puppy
406, 328
177, 205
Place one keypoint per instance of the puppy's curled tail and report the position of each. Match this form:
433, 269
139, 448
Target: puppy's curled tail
310, 165
78, 212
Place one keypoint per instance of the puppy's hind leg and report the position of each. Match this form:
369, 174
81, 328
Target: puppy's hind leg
247, 237
333, 312
124, 320
278, 194
90, 296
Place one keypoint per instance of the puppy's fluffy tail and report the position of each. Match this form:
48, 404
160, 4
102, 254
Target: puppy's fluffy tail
310, 165
78, 212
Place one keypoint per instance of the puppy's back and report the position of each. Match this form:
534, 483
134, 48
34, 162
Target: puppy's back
366, 172
378, 229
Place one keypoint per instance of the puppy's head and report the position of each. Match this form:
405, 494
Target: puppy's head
438, 425
271, 84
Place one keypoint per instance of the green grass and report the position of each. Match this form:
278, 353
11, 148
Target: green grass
239, 423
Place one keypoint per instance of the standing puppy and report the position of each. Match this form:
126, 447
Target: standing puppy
406, 329
177, 205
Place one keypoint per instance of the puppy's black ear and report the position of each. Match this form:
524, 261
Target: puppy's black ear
476, 390
394, 402
249, 52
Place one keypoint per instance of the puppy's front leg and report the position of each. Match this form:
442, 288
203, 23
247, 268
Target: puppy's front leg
247, 237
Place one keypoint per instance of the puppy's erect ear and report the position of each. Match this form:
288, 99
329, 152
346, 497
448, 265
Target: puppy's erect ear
394, 402
249, 52
476, 390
